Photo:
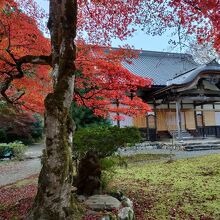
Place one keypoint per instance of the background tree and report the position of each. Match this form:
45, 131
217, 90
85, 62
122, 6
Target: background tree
84, 117
203, 53
19, 126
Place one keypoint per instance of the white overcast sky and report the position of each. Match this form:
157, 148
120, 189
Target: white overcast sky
140, 40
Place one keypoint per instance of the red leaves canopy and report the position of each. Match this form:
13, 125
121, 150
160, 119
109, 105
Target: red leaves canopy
20, 36
197, 18
101, 77
102, 80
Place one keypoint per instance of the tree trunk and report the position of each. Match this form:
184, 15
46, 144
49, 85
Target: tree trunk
53, 200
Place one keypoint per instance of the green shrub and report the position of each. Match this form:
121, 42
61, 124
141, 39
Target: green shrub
108, 166
18, 149
84, 117
37, 128
3, 147
104, 140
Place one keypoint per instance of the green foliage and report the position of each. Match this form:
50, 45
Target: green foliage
108, 167
18, 149
3, 136
108, 171
3, 148
37, 127
104, 140
20, 126
84, 117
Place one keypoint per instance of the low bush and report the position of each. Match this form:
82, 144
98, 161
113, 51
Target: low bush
101, 143
104, 140
3, 148
108, 167
17, 148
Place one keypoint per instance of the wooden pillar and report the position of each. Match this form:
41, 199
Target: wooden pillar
178, 120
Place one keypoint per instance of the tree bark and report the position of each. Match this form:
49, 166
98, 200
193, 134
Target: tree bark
53, 200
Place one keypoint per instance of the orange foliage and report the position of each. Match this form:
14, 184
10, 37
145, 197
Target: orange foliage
101, 77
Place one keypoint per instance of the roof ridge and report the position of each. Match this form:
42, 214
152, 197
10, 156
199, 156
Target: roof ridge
164, 53
156, 52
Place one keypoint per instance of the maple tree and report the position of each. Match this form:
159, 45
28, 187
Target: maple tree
30, 87
199, 17
22, 83
97, 21
188, 18
101, 80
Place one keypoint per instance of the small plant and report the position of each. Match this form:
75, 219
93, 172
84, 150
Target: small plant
108, 167
5, 151
18, 149
15, 149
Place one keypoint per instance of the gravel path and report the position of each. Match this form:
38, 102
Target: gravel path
178, 154
11, 172
15, 170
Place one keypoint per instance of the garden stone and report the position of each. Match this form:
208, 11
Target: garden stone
102, 202
91, 213
126, 202
126, 213
81, 198
107, 217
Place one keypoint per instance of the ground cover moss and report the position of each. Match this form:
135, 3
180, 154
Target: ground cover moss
183, 189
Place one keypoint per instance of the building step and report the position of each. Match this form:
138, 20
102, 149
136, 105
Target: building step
184, 134
198, 147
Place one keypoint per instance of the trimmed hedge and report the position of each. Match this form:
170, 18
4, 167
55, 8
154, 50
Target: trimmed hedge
104, 140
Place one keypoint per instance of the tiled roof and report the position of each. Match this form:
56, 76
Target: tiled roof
191, 75
160, 66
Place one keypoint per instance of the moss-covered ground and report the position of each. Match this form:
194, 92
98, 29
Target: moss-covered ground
183, 189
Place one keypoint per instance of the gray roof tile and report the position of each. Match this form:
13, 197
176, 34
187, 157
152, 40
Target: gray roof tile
160, 66
191, 75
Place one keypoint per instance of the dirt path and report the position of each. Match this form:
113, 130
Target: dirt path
12, 171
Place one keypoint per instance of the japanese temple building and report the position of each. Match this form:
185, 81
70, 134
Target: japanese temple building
184, 97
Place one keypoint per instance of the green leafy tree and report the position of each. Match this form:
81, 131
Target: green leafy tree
84, 117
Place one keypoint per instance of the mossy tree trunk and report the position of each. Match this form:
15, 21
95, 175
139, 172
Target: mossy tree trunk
53, 200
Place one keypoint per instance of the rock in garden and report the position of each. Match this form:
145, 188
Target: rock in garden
102, 202
126, 202
81, 198
126, 213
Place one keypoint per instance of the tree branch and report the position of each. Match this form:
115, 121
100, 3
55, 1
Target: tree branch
42, 60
